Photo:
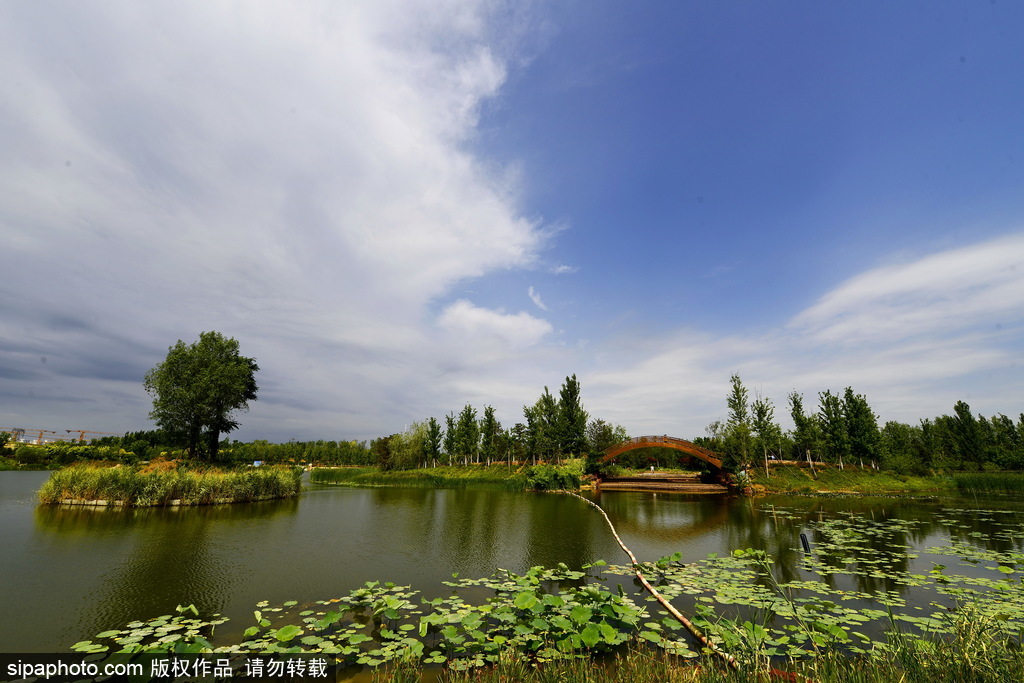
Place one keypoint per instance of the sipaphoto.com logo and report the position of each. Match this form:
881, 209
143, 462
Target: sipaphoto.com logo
62, 667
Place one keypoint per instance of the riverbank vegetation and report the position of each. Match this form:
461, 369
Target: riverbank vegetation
166, 484
843, 434
845, 615
845, 431
827, 478
567, 476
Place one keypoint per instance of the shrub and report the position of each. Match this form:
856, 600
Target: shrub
552, 478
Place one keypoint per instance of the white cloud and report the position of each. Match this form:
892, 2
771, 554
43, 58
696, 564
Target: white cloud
518, 331
301, 176
914, 337
934, 295
295, 175
535, 298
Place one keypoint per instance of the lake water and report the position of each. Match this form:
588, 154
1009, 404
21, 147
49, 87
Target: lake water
69, 573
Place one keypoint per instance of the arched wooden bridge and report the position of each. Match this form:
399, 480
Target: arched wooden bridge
687, 447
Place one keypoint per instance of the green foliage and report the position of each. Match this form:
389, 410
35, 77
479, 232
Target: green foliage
543, 477
467, 435
546, 477
294, 452
127, 486
571, 422
490, 431
432, 443
736, 444
989, 482
444, 477
834, 435
829, 478
449, 437
197, 389
861, 427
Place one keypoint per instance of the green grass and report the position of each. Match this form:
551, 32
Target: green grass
495, 476
472, 476
789, 479
130, 487
971, 654
989, 482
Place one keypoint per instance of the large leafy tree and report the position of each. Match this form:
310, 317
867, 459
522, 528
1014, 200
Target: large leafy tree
861, 427
198, 389
833, 427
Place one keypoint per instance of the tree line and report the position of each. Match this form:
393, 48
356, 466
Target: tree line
844, 430
552, 430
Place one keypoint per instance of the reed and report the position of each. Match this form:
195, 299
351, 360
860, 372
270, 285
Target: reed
989, 482
967, 656
128, 486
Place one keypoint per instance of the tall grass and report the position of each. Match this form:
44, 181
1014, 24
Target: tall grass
989, 482
494, 477
128, 486
828, 477
973, 653
537, 477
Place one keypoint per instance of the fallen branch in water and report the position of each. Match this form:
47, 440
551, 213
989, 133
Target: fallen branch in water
658, 596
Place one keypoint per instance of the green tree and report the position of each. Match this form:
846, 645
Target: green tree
449, 437
767, 432
806, 434
833, 427
490, 430
382, 454
571, 420
467, 435
861, 427
601, 435
542, 426
432, 445
517, 442
737, 451
198, 388
408, 449
897, 449
967, 436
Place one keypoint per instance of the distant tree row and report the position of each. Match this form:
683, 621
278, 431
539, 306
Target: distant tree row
553, 429
845, 430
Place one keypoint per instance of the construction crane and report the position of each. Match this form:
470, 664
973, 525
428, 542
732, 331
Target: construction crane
83, 432
21, 430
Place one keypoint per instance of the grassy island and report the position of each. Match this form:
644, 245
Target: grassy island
166, 484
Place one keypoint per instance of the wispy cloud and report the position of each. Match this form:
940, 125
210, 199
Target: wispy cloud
939, 294
535, 298
915, 337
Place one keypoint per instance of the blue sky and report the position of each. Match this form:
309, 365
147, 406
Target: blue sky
399, 207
